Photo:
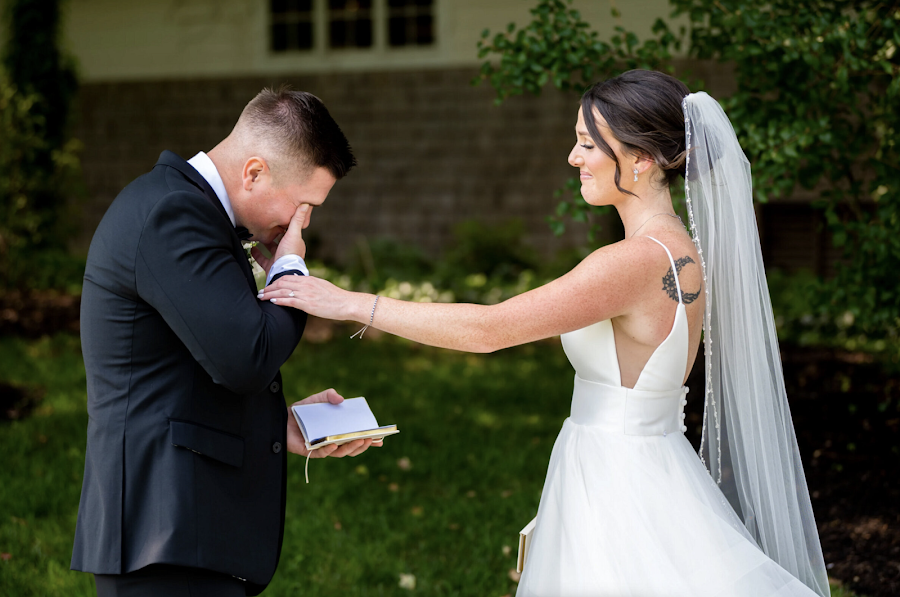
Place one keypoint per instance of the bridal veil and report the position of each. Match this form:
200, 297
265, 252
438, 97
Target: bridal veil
748, 442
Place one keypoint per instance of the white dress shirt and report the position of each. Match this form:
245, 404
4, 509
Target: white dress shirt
208, 171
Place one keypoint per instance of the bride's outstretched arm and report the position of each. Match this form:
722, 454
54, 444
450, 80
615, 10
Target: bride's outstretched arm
606, 284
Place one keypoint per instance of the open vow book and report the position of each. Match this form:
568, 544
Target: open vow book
323, 424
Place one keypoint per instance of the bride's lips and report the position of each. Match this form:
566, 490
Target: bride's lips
585, 176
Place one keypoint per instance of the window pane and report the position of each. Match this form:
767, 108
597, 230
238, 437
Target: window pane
304, 36
424, 30
350, 23
292, 26
410, 22
279, 37
363, 31
338, 34
397, 31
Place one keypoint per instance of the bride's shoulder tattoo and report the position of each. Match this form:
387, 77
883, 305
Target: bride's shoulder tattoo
669, 282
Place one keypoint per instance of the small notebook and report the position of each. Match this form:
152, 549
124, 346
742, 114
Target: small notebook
524, 544
323, 423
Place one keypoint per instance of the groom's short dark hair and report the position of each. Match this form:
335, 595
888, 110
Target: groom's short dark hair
299, 126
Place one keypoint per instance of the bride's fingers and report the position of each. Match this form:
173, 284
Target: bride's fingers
278, 291
275, 295
286, 284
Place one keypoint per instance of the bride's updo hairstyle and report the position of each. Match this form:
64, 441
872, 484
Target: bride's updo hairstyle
643, 111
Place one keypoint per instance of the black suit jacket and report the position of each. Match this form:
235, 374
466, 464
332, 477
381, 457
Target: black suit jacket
185, 460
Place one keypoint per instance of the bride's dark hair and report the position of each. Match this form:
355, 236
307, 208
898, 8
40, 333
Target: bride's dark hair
643, 111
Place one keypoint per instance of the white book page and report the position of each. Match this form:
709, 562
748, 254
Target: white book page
324, 419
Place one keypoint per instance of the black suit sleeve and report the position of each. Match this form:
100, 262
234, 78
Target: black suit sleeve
187, 269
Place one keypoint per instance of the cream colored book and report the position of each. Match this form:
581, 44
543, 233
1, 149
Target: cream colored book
323, 423
524, 544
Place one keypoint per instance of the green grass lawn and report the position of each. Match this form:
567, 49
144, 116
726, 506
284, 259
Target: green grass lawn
442, 501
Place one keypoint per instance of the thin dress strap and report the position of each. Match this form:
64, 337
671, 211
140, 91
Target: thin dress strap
674, 269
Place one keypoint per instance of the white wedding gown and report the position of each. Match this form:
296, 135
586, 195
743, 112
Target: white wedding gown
628, 509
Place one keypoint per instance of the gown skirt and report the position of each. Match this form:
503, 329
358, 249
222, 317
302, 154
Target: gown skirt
625, 515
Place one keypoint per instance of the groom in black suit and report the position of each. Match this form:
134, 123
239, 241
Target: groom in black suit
185, 468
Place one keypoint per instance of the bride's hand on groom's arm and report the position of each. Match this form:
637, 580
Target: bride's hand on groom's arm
295, 442
319, 297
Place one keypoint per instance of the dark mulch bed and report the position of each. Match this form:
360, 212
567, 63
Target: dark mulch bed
845, 407
846, 412
33, 314
16, 402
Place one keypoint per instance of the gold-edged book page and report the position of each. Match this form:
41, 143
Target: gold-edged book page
343, 438
524, 544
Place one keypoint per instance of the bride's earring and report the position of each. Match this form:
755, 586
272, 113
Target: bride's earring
635, 174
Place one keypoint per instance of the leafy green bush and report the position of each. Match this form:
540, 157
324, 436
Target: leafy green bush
558, 47
487, 264
816, 107
28, 228
802, 318
498, 252
381, 259
38, 160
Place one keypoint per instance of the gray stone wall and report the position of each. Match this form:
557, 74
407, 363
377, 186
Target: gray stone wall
433, 151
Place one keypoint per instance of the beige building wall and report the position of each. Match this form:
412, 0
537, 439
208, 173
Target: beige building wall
126, 40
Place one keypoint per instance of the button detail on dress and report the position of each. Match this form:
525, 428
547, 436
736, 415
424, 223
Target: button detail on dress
683, 428
274, 387
276, 447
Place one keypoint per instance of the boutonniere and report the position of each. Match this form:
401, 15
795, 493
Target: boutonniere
249, 244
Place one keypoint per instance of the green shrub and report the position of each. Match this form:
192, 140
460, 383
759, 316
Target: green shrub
498, 252
39, 166
28, 228
815, 107
379, 260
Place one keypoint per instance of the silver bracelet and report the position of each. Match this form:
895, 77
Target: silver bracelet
371, 319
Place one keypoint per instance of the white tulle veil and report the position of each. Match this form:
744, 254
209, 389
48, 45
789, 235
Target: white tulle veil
748, 441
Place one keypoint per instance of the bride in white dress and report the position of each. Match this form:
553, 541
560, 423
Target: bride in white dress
628, 508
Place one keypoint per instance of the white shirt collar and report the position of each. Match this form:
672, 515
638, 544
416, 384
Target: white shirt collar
207, 170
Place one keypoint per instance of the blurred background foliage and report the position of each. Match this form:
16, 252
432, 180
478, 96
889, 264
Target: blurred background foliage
39, 166
815, 108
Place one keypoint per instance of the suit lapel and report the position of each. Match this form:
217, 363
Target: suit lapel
168, 158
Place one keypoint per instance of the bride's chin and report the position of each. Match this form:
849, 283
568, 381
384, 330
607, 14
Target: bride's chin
592, 200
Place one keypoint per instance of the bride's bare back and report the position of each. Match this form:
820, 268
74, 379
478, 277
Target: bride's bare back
641, 331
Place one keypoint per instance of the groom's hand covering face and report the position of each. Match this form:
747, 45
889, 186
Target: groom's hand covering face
269, 210
266, 208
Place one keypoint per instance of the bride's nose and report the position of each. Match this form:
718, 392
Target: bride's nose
575, 159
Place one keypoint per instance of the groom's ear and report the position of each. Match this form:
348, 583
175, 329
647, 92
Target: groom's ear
256, 171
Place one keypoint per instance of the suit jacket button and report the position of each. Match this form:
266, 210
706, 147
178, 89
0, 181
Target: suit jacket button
276, 447
274, 387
